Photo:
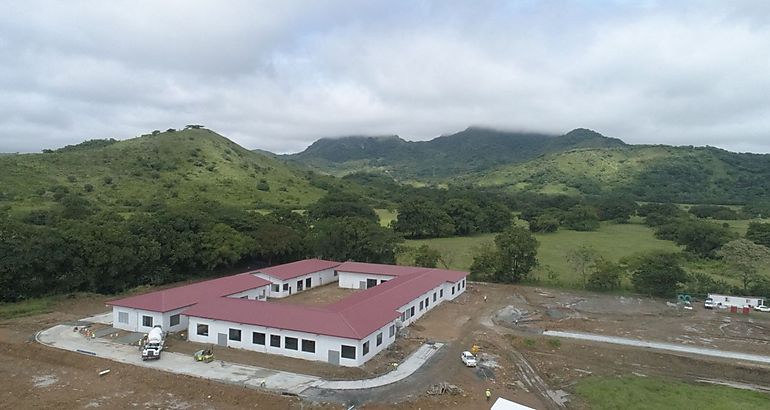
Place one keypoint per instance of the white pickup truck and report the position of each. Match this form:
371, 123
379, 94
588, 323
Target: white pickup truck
468, 358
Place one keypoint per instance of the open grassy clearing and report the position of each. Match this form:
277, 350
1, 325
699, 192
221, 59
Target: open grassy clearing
631, 392
611, 241
386, 216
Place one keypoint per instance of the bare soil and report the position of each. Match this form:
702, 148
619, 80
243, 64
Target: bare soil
516, 362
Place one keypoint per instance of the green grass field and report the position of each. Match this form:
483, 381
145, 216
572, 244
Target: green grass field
631, 392
611, 241
27, 307
386, 216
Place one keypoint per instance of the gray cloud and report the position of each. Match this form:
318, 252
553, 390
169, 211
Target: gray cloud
278, 75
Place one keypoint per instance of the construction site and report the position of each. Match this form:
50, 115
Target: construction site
531, 346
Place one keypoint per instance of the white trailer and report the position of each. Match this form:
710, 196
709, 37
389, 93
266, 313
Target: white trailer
739, 301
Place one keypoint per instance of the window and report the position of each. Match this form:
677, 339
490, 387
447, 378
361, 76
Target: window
366, 348
174, 320
348, 352
453, 290
275, 341
147, 321
290, 343
122, 317
463, 283
308, 282
335, 273
258, 338
434, 296
411, 311
285, 287
379, 339
203, 330
245, 297
427, 302
234, 334
392, 331
421, 305
308, 346
370, 283
403, 316
441, 293
276, 288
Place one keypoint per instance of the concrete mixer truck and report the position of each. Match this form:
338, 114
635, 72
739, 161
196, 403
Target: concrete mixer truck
153, 344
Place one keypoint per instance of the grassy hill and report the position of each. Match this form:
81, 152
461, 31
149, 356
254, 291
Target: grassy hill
173, 167
468, 151
651, 173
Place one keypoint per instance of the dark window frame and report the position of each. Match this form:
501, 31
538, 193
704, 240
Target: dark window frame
231, 334
365, 348
308, 346
144, 321
255, 338
275, 340
198, 328
379, 339
351, 352
178, 317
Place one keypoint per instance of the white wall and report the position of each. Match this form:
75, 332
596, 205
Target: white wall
447, 295
256, 293
352, 280
739, 301
323, 344
319, 278
135, 323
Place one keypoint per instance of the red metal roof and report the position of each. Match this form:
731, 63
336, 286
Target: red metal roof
378, 269
294, 269
182, 296
354, 317
301, 318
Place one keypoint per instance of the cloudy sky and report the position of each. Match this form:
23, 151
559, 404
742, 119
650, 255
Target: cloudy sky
277, 75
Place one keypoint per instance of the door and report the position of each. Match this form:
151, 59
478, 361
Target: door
334, 357
222, 339
299, 286
362, 284
308, 282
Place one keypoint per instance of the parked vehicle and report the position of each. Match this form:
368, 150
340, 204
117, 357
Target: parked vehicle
153, 345
762, 308
468, 359
709, 303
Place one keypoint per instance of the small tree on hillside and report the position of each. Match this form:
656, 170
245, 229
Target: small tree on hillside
658, 274
746, 258
582, 260
426, 257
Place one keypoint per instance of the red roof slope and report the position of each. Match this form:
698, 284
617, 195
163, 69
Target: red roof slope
175, 298
377, 269
301, 318
294, 269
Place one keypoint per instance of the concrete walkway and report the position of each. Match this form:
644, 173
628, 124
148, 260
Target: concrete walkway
63, 337
722, 354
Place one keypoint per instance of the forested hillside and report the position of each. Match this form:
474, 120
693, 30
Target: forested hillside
648, 173
468, 151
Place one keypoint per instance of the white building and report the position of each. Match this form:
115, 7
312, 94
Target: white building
291, 278
233, 312
164, 307
739, 301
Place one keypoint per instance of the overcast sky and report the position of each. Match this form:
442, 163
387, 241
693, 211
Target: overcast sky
277, 75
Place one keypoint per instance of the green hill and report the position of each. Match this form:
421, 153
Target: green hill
173, 167
651, 173
470, 151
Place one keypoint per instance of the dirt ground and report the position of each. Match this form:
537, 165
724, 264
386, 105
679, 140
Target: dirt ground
516, 362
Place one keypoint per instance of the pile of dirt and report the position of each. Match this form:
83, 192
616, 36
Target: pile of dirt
444, 388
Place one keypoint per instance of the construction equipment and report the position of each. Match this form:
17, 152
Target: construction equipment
475, 349
204, 355
154, 344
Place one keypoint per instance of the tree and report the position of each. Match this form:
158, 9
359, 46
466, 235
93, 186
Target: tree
223, 246
616, 208
703, 238
340, 204
422, 219
495, 217
583, 262
465, 215
353, 238
658, 274
606, 276
759, 233
581, 218
517, 254
746, 258
426, 257
485, 261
